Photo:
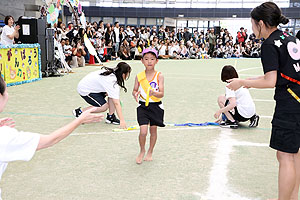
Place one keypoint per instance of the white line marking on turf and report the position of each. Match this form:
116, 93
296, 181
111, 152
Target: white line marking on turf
267, 117
192, 78
264, 100
161, 129
189, 75
235, 62
218, 181
242, 70
252, 144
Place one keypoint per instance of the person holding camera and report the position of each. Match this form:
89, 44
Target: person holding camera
78, 54
9, 32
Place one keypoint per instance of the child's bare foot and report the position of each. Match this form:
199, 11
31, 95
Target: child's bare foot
272, 199
140, 157
148, 157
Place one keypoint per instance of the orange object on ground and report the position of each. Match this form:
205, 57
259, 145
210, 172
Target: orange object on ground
92, 59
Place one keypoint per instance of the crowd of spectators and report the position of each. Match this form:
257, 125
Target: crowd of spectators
115, 42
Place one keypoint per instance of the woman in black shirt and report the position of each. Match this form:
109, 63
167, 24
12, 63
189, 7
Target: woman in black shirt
280, 57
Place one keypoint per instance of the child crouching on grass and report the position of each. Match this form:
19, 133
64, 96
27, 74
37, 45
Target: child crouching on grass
237, 106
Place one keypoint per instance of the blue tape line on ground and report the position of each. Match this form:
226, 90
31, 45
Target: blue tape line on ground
200, 124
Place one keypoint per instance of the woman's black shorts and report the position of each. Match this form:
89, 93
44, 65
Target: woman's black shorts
152, 114
236, 115
285, 132
95, 99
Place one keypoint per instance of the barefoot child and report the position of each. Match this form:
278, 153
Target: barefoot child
280, 60
95, 86
152, 82
238, 105
17, 145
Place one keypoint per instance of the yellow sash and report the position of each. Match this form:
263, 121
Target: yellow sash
146, 87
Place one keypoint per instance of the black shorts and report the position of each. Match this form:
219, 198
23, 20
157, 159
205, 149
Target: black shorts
153, 114
236, 115
95, 99
285, 135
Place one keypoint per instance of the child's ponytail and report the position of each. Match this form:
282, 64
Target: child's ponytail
118, 71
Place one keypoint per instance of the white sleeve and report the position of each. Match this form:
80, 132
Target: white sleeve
15, 145
5, 31
229, 93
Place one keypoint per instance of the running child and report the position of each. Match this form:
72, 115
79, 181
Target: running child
95, 86
280, 60
149, 86
237, 106
17, 145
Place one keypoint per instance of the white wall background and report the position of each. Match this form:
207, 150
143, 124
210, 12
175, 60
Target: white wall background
233, 25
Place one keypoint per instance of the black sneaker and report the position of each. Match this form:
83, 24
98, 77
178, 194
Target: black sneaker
77, 112
112, 119
254, 121
229, 124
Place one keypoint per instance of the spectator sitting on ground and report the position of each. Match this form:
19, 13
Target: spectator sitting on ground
100, 51
133, 45
125, 50
143, 33
109, 53
236, 51
194, 51
220, 52
189, 43
138, 53
246, 52
227, 50
184, 53
78, 56
172, 49
202, 52
255, 52
162, 50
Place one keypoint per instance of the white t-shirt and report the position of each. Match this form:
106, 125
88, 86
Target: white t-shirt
5, 32
96, 83
172, 49
162, 50
244, 102
15, 145
68, 49
117, 32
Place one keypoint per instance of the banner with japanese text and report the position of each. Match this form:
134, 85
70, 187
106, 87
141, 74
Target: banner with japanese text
20, 63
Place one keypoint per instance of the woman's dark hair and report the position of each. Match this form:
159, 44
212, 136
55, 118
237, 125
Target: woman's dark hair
119, 70
7, 18
228, 72
269, 13
59, 24
81, 32
2, 85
